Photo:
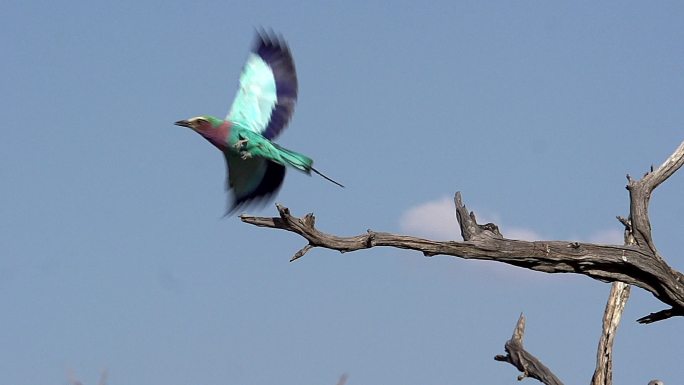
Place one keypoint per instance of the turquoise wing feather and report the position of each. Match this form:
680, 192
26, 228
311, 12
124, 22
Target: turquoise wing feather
268, 88
256, 98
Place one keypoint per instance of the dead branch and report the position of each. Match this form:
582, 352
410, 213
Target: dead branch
639, 196
619, 293
615, 306
639, 265
526, 363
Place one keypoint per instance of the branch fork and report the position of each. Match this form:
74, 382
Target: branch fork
636, 263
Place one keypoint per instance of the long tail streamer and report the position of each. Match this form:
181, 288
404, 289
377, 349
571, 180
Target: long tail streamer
326, 177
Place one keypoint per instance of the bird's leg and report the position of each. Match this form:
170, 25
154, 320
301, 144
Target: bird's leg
241, 145
238, 145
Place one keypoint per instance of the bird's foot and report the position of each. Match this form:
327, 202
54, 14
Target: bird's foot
245, 155
240, 143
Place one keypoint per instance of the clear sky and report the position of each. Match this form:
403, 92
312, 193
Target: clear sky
114, 254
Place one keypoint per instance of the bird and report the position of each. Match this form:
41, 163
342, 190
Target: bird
262, 108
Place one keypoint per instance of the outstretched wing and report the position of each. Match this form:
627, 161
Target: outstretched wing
252, 180
268, 88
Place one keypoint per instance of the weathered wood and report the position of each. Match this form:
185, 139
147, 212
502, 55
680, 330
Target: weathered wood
615, 306
619, 293
639, 196
639, 265
630, 264
526, 363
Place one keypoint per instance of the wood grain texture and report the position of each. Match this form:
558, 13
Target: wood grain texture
636, 263
615, 306
526, 363
639, 264
631, 264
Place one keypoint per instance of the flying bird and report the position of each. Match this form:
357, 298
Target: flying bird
261, 110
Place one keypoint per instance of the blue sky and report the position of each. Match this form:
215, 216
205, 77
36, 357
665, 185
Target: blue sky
114, 255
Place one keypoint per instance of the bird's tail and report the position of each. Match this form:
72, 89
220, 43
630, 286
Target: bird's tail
294, 159
301, 162
327, 177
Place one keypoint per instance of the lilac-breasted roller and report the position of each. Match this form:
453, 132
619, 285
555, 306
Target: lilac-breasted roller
262, 108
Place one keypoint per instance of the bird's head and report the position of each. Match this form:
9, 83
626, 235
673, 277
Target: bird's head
200, 123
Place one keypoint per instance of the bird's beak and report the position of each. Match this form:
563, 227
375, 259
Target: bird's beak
183, 123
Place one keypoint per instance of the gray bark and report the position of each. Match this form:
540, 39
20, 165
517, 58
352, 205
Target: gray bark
639, 264
636, 263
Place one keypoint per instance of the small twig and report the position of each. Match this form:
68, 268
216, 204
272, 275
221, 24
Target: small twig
470, 230
301, 253
525, 362
661, 315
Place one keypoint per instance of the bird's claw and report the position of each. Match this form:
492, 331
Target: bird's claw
240, 143
245, 155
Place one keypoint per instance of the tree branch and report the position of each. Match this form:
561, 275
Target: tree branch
608, 263
528, 364
615, 306
619, 293
639, 197
639, 265
640, 194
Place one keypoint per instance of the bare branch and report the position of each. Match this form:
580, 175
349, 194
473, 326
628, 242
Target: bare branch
526, 363
639, 264
619, 293
640, 194
661, 315
630, 264
666, 170
470, 230
615, 306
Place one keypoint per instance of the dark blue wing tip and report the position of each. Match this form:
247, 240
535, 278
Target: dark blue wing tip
268, 44
273, 50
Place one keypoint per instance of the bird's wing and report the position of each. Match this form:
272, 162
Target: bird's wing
251, 180
268, 88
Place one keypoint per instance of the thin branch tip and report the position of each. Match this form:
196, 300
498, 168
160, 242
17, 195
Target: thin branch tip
458, 200
527, 364
310, 220
283, 211
301, 252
